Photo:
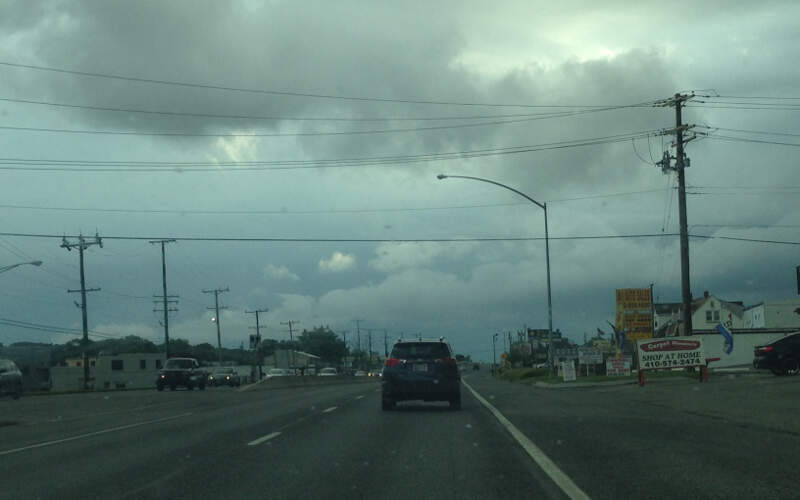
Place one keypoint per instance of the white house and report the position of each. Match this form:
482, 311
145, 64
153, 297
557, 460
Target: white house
707, 312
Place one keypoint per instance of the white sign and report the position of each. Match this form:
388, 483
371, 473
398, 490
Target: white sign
618, 366
590, 356
654, 354
568, 371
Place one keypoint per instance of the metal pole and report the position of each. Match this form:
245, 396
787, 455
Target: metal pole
549, 297
494, 352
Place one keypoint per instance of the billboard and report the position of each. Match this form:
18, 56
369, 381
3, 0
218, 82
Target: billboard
635, 313
618, 366
657, 354
589, 356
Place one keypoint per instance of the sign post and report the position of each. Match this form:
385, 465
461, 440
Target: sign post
660, 354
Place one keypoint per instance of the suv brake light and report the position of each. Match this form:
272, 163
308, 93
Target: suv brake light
390, 362
766, 348
447, 361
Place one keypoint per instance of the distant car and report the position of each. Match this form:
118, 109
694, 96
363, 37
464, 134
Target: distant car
421, 370
360, 373
10, 379
277, 372
328, 372
781, 356
374, 373
185, 372
225, 376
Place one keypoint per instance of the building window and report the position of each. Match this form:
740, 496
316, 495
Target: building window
708, 316
143, 364
158, 363
716, 315
91, 363
116, 364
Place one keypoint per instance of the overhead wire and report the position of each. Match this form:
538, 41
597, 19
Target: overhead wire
50, 165
206, 86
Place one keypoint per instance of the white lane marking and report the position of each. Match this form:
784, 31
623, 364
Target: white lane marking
543, 461
328, 410
95, 433
360, 397
263, 438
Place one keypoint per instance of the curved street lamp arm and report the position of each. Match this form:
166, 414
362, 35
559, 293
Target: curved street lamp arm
443, 176
12, 266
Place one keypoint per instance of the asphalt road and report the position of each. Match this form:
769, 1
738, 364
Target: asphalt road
730, 438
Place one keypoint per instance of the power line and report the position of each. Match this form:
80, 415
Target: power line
760, 132
50, 165
296, 134
309, 212
275, 92
308, 118
394, 240
54, 329
756, 97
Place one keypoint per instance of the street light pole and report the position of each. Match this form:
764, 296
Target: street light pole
12, 266
543, 206
494, 352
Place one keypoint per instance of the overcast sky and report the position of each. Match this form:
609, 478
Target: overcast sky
356, 80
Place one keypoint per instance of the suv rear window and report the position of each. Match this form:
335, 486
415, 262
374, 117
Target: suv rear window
421, 350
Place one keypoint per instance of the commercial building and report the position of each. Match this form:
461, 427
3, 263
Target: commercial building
773, 314
111, 371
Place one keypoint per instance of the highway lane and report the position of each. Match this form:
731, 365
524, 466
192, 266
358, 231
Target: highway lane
324, 442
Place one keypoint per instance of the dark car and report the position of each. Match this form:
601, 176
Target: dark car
183, 372
781, 356
10, 379
421, 370
225, 376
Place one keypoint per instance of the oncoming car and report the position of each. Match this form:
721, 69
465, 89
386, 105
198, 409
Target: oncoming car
421, 370
225, 376
10, 379
328, 372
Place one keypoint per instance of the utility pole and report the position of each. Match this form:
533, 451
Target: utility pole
494, 352
216, 292
358, 334
166, 298
385, 344
82, 245
257, 342
681, 163
369, 352
344, 336
291, 340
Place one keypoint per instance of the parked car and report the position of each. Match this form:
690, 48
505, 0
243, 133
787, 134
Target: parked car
374, 373
421, 370
225, 376
360, 373
185, 372
781, 356
328, 372
277, 372
10, 379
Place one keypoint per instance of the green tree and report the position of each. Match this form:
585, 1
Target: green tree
323, 342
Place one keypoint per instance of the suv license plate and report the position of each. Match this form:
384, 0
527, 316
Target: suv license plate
420, 367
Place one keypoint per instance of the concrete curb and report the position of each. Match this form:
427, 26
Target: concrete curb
567, 385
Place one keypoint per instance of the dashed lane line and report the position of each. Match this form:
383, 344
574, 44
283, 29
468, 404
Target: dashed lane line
91, 434
262, 439
328, 410
360, 397
543, 461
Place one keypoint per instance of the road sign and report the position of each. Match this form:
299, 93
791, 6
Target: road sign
589, 356
568, 371
618, 366
670, 353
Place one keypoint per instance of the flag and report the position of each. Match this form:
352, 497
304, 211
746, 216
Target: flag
601, 332
728, 346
